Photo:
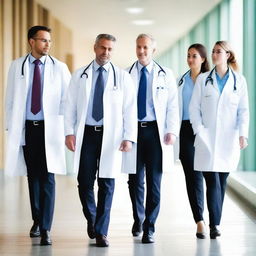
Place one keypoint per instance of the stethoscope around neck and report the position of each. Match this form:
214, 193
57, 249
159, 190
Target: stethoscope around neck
210, 79
23, 64
182, 78
136, 63
114, 72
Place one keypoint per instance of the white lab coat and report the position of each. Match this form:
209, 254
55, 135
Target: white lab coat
218, 120
56, 79
165, 100
120, 118
180, 101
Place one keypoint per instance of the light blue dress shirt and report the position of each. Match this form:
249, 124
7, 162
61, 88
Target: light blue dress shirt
150, 116
40, 114
89, 119
186, 95
222, 81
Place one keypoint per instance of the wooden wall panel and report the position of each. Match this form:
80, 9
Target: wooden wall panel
1, 85
16, 17
7, 55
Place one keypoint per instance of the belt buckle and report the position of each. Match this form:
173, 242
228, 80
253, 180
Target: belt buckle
97, 128
143, 124
35, 123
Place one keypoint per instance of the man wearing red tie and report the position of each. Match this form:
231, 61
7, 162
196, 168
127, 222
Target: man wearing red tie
34, 120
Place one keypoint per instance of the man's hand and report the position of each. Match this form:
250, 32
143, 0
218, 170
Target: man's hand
125, 146
243, 142
71, 142
169, 139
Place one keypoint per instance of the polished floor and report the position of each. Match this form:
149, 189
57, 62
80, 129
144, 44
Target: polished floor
175, 230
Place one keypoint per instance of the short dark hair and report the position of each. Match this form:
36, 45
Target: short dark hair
105, 36
33, 30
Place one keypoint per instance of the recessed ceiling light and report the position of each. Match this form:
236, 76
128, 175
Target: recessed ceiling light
134, 10
143, 22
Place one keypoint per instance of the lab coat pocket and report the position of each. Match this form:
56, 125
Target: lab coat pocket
162, 95
234, 100
202, 140
55, 143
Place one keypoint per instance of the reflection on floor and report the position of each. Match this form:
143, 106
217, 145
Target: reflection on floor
175, 230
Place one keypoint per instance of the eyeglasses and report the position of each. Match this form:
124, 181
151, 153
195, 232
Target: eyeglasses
219, 51
43, 40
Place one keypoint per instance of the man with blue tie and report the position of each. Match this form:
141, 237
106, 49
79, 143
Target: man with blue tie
158, 126
35, 93
100, 126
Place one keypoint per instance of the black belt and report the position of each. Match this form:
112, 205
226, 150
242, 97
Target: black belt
147, 124
94, 128
35, 122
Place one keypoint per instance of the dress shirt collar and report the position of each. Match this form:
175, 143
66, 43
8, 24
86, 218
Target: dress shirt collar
96, 66
149, 67
32, 59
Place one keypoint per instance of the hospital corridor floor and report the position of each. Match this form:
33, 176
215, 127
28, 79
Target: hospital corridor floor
175, 228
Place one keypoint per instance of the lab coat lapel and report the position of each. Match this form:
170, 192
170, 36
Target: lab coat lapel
110, 80
85, 90
134, 75
215, 83
48, 82
155, 77
229, 86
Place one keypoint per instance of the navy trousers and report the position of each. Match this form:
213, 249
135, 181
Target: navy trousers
98, 215
215, 191
41, 183
194, 179
149, 162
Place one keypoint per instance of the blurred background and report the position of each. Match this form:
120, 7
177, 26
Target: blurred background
174, 24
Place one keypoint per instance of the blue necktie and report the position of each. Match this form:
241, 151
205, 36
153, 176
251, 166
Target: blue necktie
36, 89
97, 107
142, 94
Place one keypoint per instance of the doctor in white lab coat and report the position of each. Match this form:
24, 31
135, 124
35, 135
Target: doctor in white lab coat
219, 114
158, 126
35, 125
100, 125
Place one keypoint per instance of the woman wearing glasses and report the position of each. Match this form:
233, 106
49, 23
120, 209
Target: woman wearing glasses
219, 114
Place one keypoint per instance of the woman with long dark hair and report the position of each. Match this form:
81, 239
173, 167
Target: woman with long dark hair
197, 62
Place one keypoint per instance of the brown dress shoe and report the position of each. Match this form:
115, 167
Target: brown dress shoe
101, 241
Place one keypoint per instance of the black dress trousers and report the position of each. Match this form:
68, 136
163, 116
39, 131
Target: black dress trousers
194, 179
149, 164
98, 215
41, 183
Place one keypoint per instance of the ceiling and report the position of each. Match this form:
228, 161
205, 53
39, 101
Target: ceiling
88, 18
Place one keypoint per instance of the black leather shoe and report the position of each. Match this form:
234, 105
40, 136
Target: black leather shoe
91, 230
201, 235
214, 232
34, 231
101, 241
147, 238
45, 238
136, 229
